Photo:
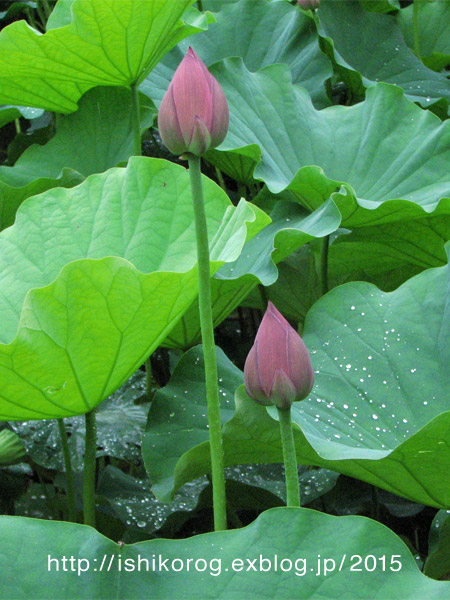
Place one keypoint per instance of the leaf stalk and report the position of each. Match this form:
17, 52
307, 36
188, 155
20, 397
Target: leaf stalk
69, 472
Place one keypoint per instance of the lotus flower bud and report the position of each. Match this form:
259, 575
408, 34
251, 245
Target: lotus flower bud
308, 4
193, 116
278, 370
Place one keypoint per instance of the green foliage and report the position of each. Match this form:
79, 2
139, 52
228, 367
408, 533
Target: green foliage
330, 196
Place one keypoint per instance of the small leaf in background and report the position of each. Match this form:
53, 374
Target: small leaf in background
12, 448
346, 27
438, 561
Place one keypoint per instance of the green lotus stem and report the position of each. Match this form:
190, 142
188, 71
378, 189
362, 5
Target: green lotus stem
136, 121
68, 469
290, 458
42, 14
90, 453
148, 378
375, 503
242, 192
220, 179
209, 349
47, 8
324, 264
416, 27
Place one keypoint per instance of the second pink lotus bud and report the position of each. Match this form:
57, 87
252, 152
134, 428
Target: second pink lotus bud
278, 369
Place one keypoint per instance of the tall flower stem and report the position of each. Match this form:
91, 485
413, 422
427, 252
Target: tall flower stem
324, 264
209, 350
68, 469
416, 28
90, 453
290, 458
137, 151
136, 121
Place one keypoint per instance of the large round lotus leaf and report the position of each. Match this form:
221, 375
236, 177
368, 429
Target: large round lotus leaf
93, 278
291, 227
346, 27
361, 155
53, 70
222, 565
261, 33
99, 135
379, 407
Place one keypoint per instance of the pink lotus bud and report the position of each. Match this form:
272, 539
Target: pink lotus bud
193, 116
308, 4
278, 369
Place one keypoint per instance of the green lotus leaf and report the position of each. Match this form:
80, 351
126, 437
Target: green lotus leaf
437, 564
12, 197
217, 576
131, 500
9, 113
90, 286
291, 227
289, 293
12, 449
345, 28
380, 6
389, 254
385, 255
178, 411
271, 32
61, 15
94, 138
434, 32
54, 70
379, 406
313, 482
374, 177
